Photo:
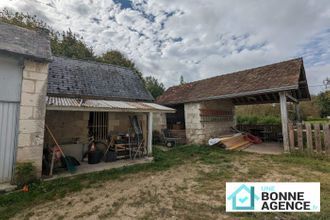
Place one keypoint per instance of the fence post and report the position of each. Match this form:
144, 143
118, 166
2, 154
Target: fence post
300, 137
326, 131
291, 137
309, 138
317, 138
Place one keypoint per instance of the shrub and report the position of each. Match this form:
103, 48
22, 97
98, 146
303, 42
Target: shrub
258, 120
25, 173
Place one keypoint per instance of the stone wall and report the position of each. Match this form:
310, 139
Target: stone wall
32, 113
159, 121
194, 128
67, 127
199, 131
218, 128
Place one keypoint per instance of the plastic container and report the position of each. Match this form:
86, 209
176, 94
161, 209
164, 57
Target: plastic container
94, 157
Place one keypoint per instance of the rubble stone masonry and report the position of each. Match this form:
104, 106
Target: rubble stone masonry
199, 131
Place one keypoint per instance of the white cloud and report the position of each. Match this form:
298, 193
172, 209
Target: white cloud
197, 39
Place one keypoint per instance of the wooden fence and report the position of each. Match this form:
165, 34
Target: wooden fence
310, 138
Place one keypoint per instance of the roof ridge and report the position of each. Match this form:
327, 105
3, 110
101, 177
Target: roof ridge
93, 61
235, 72
37, 30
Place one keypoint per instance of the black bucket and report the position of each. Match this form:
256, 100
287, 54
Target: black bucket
94, 157
110, 156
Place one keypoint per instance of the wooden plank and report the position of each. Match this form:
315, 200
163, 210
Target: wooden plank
309, 137
284, 120
317, 138
326, 131
300, 137
149, 143
291, 137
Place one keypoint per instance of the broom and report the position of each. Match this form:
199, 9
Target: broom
70, 166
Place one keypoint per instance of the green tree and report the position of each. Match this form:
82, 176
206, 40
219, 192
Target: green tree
182, 80
117, 58
65, 44
323, 100
154, 87
22, 20
69, 45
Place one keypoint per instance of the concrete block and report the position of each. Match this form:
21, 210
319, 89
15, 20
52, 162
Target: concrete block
42, 68
31, 126
34, 75
26, 112
28, 86
24, 140
30, 65
40, 87
28, 99
38, 113
37, 139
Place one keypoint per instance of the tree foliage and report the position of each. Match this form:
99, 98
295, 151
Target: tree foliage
117, 58
65, 44
319, 106
70, 45
155, 88
22, 20
323, 101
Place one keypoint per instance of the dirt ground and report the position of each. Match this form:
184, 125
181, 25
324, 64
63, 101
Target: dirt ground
136, 196
191, 190
183, 192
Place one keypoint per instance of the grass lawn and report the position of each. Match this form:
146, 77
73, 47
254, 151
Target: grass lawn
187, 182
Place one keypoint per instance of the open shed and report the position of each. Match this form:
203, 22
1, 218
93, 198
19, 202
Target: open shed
205, 108
95, 103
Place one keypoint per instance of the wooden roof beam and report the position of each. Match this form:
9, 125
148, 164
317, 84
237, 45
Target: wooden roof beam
292, 98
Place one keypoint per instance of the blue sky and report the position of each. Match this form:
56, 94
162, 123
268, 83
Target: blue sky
197, 39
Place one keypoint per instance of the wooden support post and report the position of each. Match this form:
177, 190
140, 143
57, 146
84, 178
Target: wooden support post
297, 105
317, 132
150, 133
309, 137
326, 131
291, 137
300, 137
284, 119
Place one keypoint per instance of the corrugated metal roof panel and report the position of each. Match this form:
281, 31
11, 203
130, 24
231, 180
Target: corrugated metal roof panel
63, 103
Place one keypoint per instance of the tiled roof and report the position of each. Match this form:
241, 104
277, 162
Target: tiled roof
283, 76
87, 79
63, 103
17, 40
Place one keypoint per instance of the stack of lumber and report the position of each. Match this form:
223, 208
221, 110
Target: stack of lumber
235, 142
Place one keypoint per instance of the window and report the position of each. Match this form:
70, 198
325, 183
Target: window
98, 125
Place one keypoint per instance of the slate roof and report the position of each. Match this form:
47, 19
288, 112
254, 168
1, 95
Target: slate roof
17, 40
283, 76
87, 79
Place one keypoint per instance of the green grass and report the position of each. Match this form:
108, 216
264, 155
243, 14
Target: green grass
40, 192
226, 166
